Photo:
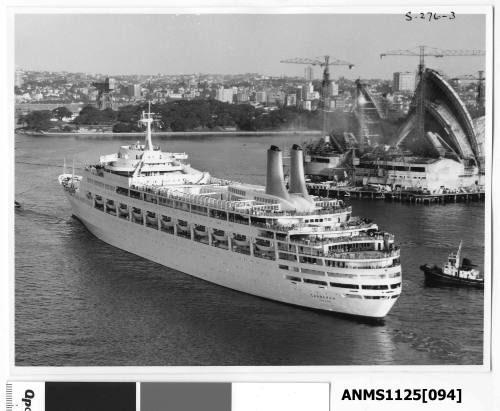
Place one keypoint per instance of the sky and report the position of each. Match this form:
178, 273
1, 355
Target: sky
115, 44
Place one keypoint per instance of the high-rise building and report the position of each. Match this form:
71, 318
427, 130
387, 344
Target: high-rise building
242, 96
19, 78
133, 90
261, 97
291, 100
334, 89
224, 94
306, 105
403, 81
275, 97
308, 73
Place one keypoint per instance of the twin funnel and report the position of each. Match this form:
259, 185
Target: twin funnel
275, 182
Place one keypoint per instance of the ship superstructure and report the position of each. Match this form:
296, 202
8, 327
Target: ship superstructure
272, 242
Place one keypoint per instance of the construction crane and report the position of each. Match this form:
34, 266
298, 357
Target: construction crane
421, 52
480, 86
325, 62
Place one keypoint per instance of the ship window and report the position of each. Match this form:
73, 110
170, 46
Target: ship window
310, 260
397, 285
292, 278
341, 285
307, 280
339, 275
375, 287
135, 194
121, 190
198, 209
286, 256
315, 272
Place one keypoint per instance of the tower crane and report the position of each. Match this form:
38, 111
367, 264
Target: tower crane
324, 62
421, 52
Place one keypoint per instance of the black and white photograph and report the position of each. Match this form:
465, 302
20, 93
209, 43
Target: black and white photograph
251, 189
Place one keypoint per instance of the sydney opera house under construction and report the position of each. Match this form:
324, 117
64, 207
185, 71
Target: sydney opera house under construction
438, 147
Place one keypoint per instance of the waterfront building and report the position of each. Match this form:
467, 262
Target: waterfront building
432, 174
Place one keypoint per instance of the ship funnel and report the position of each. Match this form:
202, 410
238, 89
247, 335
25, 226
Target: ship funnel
297, 180
275, 182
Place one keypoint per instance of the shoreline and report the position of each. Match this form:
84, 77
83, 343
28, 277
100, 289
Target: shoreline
173, 133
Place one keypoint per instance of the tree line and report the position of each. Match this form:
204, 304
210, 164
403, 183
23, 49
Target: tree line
182, 115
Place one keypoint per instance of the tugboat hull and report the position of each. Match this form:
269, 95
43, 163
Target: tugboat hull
435, 275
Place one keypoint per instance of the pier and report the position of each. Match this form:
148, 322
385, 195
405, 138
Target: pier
399, 195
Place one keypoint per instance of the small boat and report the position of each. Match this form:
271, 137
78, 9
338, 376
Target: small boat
452, 273
264, 245
110, 205
220, 235
182, 226
200, 230
137, 214
241, 241
167, 222
151, 218
17, 204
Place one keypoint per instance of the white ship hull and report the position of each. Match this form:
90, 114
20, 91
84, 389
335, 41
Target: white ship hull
241, 272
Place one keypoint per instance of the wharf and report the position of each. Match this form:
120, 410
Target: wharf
325, 190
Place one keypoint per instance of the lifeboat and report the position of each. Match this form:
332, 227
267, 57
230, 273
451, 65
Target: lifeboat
264, 245
151, 218
220, 235
110, 205
200, 230
182, 227
241, 241
123, 211
136, 213
99, 200
167, 222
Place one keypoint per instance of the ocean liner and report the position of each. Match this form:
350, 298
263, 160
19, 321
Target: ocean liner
274, 242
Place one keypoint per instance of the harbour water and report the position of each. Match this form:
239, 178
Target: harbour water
81, 302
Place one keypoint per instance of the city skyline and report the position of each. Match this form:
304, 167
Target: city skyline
230, 44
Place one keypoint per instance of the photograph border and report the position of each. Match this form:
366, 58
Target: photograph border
248, 373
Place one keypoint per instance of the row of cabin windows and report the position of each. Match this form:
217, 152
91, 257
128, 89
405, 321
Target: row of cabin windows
341, 285
340, 275
333, 263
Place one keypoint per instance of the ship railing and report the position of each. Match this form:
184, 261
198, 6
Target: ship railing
258, 210
373, 254
336, 240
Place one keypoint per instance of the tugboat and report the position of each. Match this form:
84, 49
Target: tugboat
453, 273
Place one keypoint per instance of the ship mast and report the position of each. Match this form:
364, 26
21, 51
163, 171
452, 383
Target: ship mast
148, 119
